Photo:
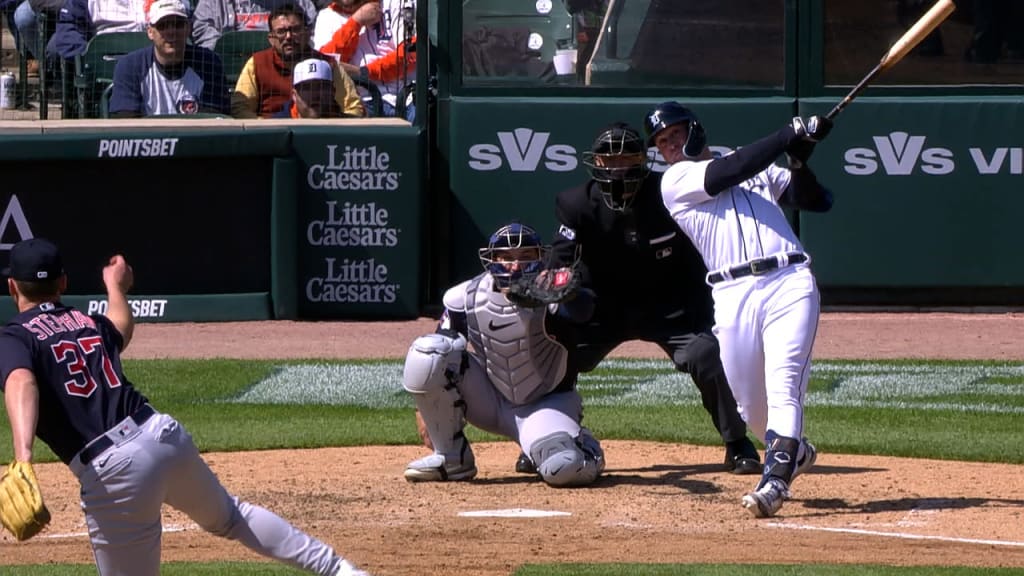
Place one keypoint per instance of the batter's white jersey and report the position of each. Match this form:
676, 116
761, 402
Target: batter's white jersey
765, 322
735, 226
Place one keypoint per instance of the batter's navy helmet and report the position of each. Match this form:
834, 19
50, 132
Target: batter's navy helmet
510, 237
672, 113
617, 161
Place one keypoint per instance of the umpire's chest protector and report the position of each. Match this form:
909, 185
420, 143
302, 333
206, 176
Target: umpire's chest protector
522, 361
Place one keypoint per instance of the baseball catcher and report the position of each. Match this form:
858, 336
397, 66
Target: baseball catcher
504, 359
22, 510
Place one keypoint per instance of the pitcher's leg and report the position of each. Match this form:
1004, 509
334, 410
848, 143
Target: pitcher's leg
196, 491
121, 496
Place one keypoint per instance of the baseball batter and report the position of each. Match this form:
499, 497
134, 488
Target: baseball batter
518, 379
766, 298
60, 371
647, 278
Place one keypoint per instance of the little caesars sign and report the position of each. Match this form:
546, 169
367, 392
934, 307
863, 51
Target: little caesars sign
351, 228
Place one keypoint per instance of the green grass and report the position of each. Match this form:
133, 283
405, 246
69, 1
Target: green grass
970, 411
967, 411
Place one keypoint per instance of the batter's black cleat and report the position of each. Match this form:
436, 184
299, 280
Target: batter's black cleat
741, 457
524, 465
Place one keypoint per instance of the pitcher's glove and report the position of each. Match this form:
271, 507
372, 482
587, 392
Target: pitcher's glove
548, 287
22, 510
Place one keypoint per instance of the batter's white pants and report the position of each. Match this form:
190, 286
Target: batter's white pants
124, 487
766, 327
489, 410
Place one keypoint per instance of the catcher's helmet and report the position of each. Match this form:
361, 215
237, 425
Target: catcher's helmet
617, 161
499, 263
672, 113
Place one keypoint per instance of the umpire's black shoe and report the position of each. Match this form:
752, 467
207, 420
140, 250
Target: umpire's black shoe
524, 465
741, 457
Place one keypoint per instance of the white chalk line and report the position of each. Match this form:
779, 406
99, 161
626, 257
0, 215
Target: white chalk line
897, 534
166, 530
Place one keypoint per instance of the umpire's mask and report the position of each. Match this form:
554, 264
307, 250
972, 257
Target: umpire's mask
617, 161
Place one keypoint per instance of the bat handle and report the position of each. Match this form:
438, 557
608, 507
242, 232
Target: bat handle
838, 108
853, 93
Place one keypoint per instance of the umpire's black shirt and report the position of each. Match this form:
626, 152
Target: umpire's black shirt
642, 267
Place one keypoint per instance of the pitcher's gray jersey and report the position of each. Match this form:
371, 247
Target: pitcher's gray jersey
523, 361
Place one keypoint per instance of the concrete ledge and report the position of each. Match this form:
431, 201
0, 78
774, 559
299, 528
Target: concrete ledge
28, 127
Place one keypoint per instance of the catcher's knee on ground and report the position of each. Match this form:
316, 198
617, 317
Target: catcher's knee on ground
566, 461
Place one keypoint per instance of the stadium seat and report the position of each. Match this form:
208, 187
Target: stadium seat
94, 69
235, 47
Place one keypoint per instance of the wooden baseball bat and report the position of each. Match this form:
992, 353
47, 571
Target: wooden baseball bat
912, 37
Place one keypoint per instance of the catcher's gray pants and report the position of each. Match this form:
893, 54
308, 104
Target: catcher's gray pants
489, 410
124, 487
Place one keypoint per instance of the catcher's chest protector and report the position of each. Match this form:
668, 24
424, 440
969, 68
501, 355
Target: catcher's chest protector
522, 362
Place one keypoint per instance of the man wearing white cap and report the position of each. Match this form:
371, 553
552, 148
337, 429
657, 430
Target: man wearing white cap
172, 77
312, 92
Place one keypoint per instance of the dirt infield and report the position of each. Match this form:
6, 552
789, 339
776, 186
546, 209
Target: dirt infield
657, 503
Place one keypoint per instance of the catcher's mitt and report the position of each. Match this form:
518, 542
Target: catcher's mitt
548, 287
22, 510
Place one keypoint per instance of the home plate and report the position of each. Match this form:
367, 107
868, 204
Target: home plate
513, 513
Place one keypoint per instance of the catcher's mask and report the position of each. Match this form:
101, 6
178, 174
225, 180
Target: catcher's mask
672, 113
514, 251
617, 161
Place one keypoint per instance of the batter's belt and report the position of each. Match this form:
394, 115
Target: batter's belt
758, 267
101, 443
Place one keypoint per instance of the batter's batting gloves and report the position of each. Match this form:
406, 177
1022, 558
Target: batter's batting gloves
815, 128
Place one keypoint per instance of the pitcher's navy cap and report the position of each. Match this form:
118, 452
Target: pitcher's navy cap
34, 260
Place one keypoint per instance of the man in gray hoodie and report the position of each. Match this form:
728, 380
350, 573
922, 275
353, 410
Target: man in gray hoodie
214, 17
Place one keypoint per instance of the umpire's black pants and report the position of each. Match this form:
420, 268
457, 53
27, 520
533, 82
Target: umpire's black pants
691, 347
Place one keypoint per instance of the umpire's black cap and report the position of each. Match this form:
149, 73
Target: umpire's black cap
34, 260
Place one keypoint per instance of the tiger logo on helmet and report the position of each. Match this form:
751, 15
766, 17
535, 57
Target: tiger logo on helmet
669, 114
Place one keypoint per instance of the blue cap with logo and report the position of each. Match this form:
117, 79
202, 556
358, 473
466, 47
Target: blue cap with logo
34, 260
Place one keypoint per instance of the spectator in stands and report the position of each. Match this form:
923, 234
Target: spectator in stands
24, 25
214, 17
374, 41
265, 83
80, 20
172, 77
312, 92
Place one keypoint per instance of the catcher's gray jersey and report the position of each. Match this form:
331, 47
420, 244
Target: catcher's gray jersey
522, 360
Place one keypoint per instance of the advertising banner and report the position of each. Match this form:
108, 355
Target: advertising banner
927, 194
510, 166
187, 227
359, 220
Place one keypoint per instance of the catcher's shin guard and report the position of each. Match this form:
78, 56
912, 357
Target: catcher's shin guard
433, 366
564, 461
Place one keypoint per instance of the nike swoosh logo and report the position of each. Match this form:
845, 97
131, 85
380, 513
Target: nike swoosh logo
494, 326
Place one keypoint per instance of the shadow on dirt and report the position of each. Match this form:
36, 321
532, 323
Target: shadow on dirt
838, 505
